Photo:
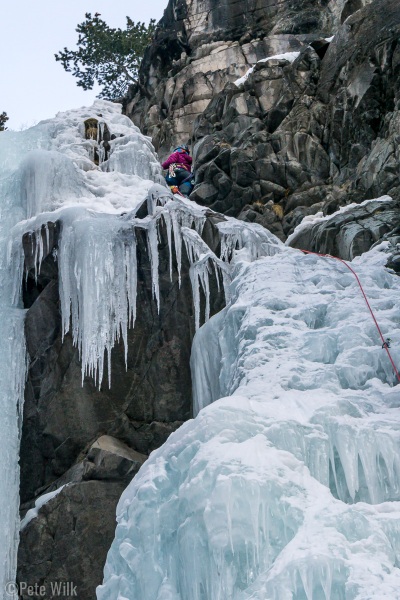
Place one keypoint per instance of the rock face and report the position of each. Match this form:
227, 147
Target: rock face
200, 46
315, 134
253, 146
294, 138
93, 440
144, 404
71, 533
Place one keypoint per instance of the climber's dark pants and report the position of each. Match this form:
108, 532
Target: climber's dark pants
185, 187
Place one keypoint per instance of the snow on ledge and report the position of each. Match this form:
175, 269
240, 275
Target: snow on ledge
289, 56
41, 501
311, 220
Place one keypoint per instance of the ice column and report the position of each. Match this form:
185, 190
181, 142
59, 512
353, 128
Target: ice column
12, 379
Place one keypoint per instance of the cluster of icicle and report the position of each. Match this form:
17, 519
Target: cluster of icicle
98, 265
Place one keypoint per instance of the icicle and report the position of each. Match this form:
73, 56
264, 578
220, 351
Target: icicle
177, 242
152, 244
36, 252
199, 222
100, 132
229, 243
205, 282
196, 296
158, 196
326, 579
167, 221
98, 280
15, 266
101, 152
306, 575
39, 240
217, 278
346, 448
131, 275
47, 232
200, 256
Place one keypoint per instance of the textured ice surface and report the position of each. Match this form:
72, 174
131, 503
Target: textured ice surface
12, 368
56, 179
286, 485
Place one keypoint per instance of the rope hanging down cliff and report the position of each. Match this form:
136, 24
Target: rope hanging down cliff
385, 342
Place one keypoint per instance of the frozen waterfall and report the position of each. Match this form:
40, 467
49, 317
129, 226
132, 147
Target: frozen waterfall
12, 368
286, 485
55, 177
59, 176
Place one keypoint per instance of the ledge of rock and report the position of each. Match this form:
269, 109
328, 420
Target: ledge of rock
351, 232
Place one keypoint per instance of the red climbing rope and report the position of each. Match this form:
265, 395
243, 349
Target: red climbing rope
385, 343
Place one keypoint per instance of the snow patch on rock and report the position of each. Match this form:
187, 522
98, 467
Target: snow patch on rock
289, 56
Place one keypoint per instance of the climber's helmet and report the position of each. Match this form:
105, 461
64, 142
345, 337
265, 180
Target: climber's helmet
182, 148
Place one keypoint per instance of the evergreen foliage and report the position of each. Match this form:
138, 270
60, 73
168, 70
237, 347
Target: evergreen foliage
110, 57
3, 120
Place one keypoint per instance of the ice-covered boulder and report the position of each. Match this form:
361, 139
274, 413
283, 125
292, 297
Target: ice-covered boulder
350, 231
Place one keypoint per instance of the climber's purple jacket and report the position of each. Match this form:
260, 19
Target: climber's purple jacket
180, 158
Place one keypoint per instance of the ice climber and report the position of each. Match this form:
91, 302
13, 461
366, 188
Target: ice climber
179, 165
